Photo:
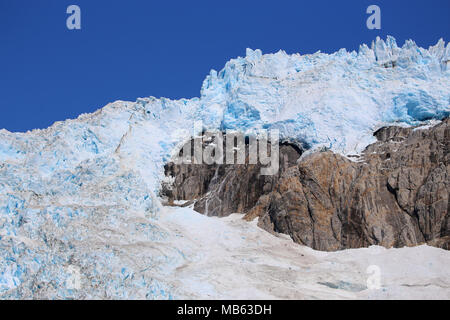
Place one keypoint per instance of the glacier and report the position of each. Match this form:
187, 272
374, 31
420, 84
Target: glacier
83, 194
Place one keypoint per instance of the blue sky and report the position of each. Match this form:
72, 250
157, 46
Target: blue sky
136, 48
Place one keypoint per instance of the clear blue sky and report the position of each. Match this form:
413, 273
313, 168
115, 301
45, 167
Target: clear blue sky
135, 48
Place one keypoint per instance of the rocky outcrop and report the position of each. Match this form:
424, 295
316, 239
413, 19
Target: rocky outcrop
220, 190
395, 194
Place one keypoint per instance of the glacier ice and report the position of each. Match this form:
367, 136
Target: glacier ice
84, 192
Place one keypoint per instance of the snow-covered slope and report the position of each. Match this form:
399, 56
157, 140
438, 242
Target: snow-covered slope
83, 193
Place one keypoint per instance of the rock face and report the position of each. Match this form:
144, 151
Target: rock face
396, 194
220, 190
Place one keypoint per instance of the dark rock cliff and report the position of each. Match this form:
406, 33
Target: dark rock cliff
396, 194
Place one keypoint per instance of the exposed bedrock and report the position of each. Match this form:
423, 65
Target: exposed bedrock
220, 190
395, 195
